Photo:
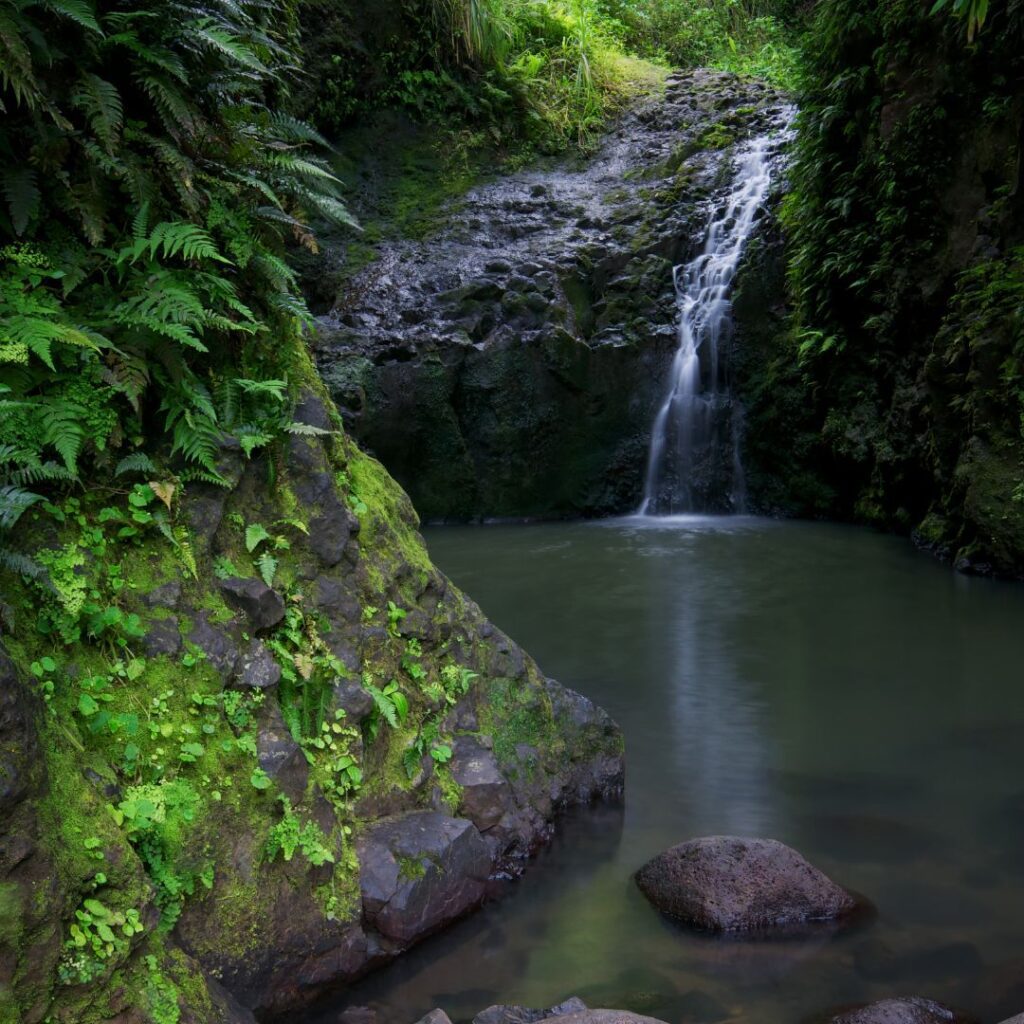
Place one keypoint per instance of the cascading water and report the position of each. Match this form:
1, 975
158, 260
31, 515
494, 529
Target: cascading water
694, 463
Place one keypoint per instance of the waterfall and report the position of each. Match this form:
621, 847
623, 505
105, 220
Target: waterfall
694, 461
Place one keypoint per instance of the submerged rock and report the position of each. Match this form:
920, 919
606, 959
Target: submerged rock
525, 1015
607, 1017
910, 1010
730, 884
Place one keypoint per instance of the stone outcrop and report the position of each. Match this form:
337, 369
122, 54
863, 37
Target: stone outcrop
729, 884
455, 752
910, 1010
512, 364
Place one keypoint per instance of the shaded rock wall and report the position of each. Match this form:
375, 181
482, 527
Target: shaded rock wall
512, 364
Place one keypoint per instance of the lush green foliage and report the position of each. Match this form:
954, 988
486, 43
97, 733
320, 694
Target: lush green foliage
749, 37
903, 262
149, 185
525, 74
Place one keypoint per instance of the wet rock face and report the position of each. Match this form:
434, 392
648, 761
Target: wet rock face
607, 1017
728, 884
419, 872
911, 1010
513, 364
525, 1015
263, 606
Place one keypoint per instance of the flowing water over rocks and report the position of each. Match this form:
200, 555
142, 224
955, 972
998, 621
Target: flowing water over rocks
694, 463
513, 363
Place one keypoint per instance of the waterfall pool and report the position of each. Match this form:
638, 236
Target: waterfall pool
822, 685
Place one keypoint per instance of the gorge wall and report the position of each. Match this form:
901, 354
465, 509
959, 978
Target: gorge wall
892, 395
512, 363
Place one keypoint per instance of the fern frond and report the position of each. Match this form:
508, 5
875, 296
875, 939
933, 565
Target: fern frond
276, 389
64, 430
14, 503
293, 130
101, 103
22, 195
22, 564
137, 462
302, 168
198, 439
209, 35
331, 209
78, 11
306, 430
172, 238
384, 705
176, 114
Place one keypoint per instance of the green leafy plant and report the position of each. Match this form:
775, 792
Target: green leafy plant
389, 705
98, 937
149, 192
290, 835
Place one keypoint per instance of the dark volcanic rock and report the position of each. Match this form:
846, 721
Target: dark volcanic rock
607, 1017
257, 668
912, 1010
486, 795
263, 605
435, 1017
726, 883
279, 755
512, 363
525, 1015
420, 871
167, 595
162, 638
358, 1015
216, 643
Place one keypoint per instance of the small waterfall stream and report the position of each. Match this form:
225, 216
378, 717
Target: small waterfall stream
694, 463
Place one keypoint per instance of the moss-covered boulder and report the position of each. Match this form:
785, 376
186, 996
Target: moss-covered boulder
226, 723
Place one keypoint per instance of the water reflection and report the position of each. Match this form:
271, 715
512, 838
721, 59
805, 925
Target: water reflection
826, 686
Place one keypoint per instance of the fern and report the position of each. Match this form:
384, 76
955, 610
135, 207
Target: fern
151, 140
77, 11
138, 462
63, 430
305, 429
384, 705
14, 503
22, 195
207, 33
172, 238
101, 103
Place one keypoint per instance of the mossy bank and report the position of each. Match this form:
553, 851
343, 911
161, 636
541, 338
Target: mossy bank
252, 743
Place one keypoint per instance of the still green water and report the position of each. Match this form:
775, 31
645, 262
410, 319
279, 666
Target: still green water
821, 685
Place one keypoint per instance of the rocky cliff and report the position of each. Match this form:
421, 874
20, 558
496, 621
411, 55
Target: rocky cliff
511, 363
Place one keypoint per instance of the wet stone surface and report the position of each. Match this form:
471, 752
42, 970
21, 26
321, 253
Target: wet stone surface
511, 364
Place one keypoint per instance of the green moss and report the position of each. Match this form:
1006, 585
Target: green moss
516, 714
388, 523
410, 869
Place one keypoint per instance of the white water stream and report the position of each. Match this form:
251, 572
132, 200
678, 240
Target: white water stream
694, 463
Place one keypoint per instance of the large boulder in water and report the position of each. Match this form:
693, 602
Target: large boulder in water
911, 1010
729, 884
